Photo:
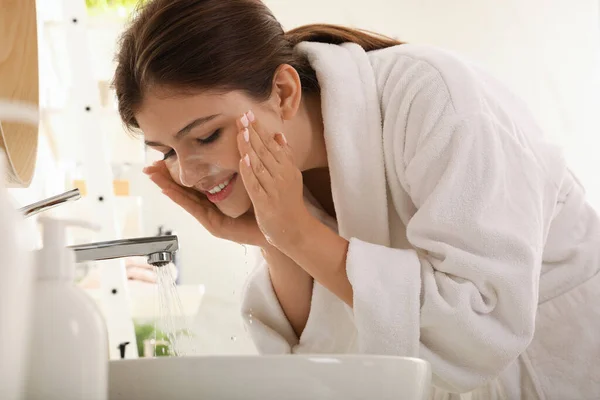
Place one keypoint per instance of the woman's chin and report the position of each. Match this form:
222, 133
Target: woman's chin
234, 211
233, 214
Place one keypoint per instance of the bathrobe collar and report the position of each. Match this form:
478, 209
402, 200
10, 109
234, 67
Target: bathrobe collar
353, 138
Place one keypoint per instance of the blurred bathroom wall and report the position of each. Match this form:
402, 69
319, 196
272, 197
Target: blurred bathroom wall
547, 51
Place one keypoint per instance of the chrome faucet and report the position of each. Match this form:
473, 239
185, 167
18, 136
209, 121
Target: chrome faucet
158, 249
50, 202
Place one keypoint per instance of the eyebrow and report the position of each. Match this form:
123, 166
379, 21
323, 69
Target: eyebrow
185, 130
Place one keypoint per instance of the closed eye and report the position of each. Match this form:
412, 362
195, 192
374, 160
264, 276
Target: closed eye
211, 138
216, 134
169, 154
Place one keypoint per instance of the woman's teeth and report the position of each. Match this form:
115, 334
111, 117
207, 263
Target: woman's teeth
219, 187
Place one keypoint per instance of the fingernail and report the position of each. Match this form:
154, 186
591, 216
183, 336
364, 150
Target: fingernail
283, 137
244, 121
246, 135
251, 116
247, 160
145, 170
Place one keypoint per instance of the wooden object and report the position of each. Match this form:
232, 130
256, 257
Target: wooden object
19, 82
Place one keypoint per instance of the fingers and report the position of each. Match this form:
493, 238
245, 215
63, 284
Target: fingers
255, 154
253, 186
285, 148
249, 140
137, 261
159, 174
255, 165
189, 199
195, 206
285, 157
265, 140
141, 274
157, 167
254, 136
164, 182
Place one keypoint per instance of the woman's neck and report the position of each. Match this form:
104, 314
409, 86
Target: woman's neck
309, 138
310, 151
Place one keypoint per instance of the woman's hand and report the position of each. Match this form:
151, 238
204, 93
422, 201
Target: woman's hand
274, 184
138, 269
242, 230
275, 187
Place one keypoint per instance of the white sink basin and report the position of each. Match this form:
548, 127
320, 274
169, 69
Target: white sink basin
287, 377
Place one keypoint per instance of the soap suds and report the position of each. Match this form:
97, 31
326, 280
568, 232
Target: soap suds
194, 170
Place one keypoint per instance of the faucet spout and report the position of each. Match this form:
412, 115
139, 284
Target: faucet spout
50, 202
158, 249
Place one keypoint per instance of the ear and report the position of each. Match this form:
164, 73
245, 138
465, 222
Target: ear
287, 91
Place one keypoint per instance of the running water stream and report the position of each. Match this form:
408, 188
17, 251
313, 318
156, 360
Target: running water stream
172, 320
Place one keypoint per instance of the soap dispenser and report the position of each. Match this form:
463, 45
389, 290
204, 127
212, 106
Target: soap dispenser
15, 294
69, 344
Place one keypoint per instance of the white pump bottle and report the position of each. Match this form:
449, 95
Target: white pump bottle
15, 294
69, 345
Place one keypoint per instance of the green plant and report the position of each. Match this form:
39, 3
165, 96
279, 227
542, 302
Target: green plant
146, 332
112, 3
95, 7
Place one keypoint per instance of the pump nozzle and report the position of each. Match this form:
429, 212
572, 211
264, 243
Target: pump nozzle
56, 259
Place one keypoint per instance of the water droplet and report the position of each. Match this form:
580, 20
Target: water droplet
233, 338
234, 292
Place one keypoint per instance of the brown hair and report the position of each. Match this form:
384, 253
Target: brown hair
216, 44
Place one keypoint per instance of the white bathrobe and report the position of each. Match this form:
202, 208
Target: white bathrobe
471, 243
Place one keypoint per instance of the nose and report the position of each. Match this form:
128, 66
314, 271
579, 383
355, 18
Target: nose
191, 170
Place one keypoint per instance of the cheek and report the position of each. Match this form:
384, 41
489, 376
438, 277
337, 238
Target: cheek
230, 152
272, 123
214, 170
223, 158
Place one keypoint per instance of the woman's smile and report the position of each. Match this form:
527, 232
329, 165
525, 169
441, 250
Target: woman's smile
222, 190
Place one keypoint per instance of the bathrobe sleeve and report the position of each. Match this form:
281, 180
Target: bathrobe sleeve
329, 328
465, 299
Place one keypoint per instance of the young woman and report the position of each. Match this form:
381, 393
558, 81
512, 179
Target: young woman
405, 203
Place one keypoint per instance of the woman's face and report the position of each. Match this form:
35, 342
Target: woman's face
197, 134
